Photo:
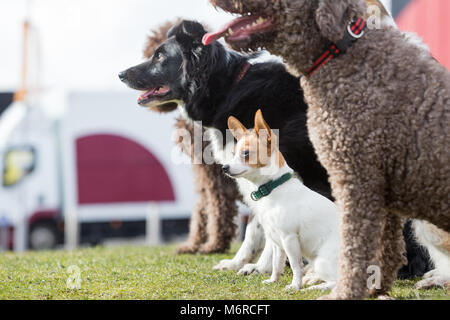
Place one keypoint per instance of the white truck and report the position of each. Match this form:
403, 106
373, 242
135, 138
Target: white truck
98, 157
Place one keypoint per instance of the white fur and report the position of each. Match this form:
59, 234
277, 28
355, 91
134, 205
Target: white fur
297, 222
440, 276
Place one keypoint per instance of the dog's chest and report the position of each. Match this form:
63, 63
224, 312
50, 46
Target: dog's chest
276, 213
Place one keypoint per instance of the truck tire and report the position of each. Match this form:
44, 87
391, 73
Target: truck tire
43, 236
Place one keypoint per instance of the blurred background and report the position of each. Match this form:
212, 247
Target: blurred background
81, 163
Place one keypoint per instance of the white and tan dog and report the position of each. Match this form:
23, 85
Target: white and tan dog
296, 220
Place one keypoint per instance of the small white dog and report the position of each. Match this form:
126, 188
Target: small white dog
296, 220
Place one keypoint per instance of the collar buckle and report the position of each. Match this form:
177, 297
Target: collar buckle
255, 196
264, 190
353, 34
355, 30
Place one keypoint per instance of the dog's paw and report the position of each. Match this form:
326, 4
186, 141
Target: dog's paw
321, 287
431, 274
434, 281
293, 287
251, 268
228, 265
209, 248
187, 248
248, 269
311, 278
269, 281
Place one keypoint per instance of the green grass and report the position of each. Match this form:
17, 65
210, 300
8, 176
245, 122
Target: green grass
132, 272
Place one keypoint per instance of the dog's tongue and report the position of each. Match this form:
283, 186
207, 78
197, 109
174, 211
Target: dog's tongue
213, 36
234, 25
147, 94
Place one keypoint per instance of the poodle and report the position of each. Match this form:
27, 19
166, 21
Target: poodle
378, 117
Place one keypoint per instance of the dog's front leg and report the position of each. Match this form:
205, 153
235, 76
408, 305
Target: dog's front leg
222, 194
199, 218
291, 245
264, 264
250, 248
360, 200
278, 263
393, 255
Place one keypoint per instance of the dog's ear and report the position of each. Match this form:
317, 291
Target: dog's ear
261, 126
333, 16
189, 34
236, 127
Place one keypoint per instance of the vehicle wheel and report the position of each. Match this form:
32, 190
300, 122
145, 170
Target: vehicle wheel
43, 236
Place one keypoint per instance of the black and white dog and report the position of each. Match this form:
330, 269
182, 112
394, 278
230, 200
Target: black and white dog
210, 84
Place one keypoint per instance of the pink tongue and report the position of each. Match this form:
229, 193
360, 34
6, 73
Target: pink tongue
163, 90
212, 36
148, 93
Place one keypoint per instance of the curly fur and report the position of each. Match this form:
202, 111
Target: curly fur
212, 226
158, 36
378, 118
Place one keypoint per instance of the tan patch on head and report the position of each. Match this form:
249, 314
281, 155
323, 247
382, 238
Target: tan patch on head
251, 145
258, 145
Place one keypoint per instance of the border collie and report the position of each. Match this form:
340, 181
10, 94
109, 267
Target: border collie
211, 84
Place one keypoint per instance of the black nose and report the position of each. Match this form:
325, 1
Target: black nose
226, 168
123, 76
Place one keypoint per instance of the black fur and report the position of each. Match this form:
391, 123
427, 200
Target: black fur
419, 261
207, 83
215, 93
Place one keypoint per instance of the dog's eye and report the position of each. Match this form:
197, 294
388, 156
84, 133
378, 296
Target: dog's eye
245, 154
159, 56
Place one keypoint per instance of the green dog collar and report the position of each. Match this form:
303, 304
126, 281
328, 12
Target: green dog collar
266, 189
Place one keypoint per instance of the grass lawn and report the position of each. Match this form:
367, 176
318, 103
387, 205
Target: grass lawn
133, 272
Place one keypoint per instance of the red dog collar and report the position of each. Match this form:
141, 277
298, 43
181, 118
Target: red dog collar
243, 72
354, 31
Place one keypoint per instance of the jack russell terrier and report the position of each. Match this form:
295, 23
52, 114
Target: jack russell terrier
296, 220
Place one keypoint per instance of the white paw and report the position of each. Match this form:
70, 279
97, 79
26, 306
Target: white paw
269, 281
434, 281
430, 274
311, 278
228, 265
293, 287
248, 269
322, 287
252, 268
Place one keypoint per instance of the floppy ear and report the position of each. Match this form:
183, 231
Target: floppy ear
333, 16
189, 34
236, 127
261, 124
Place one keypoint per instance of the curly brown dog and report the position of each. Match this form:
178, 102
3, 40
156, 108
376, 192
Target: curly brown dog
379, 111
212, 227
